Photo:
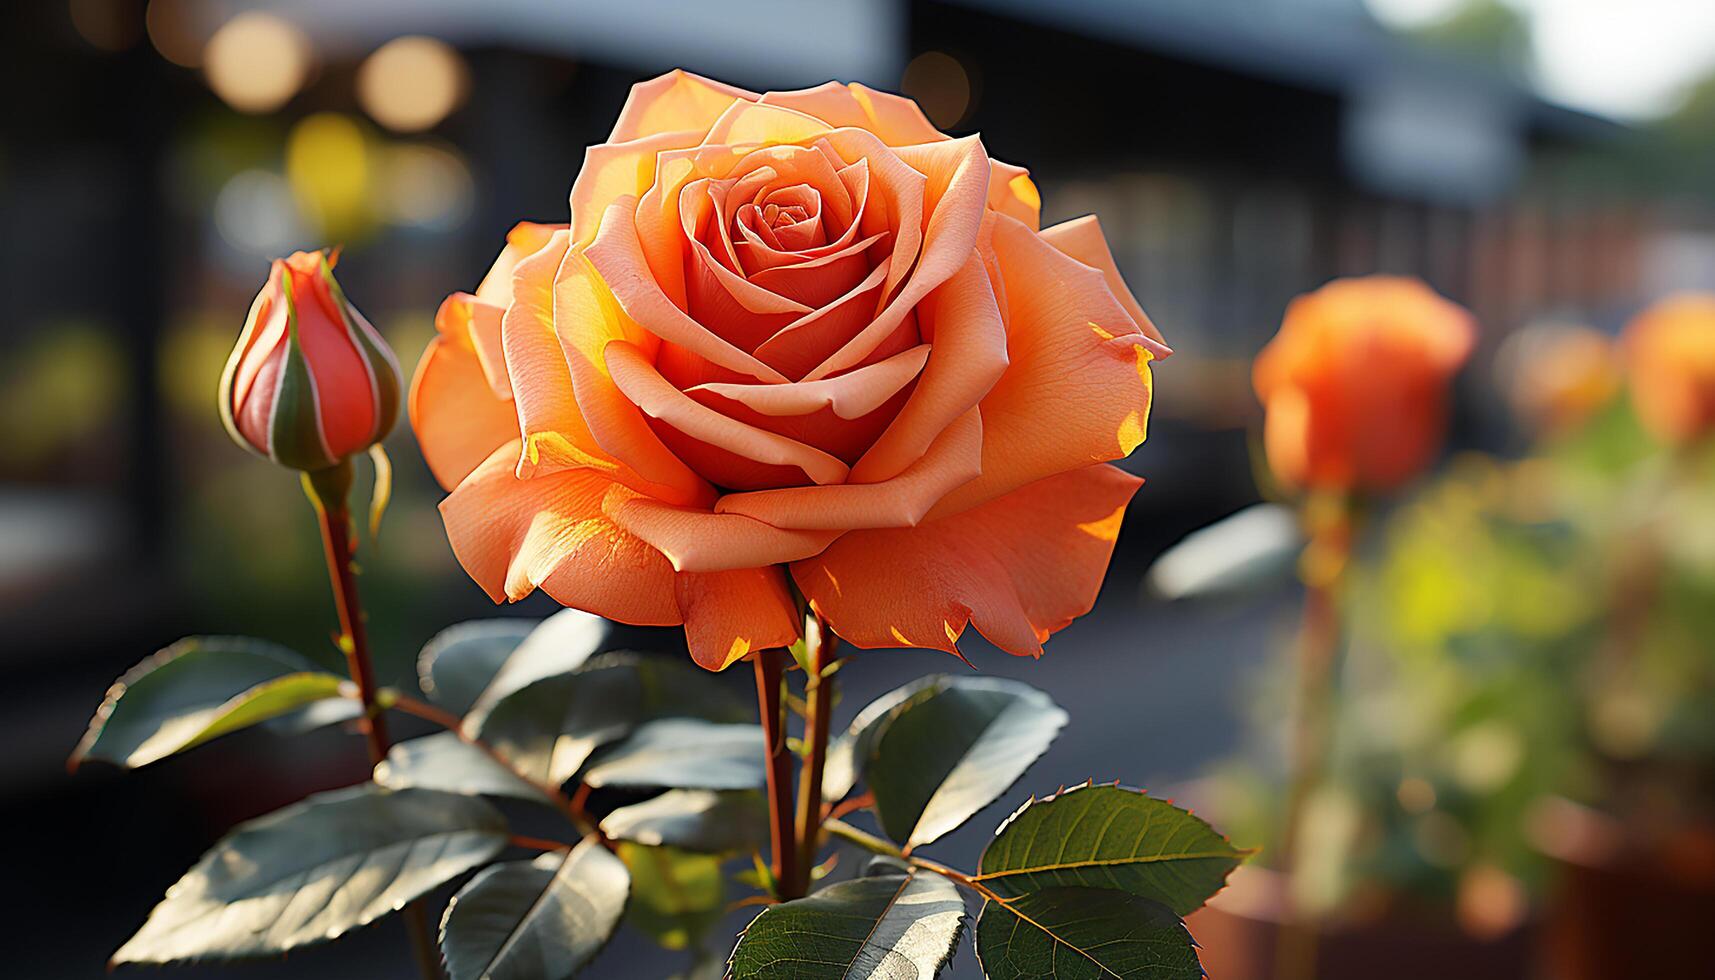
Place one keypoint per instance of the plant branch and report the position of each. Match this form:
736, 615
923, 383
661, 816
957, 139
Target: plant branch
770, 672
1323, 566
572, 808
821, 648
328, 490
876, 845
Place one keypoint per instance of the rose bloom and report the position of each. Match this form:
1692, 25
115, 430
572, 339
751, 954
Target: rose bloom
1354, 386
310, 382
1559, 375
1670, 357
800, 333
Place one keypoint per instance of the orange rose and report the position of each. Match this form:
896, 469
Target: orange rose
310, 381
1670, 356
1558, 376
798, 330
1354, 385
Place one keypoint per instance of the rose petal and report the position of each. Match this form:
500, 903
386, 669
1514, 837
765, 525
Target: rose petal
1018, 568
454, 413
1014, 194
656, 397
894, 118
810, 340
1082, 239
955, 185
525, 239
1077, 390
676, 100
953, 460
729, 615
617, 255
696, 540
586, 321
968, 355
851, 395
615, 170
514, 536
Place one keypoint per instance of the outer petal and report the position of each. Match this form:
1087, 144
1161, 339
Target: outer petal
730, 614
457, 419
514, 536
1082, 239
894, 118
676, 100
1077, 390
1018, 568
1014, 194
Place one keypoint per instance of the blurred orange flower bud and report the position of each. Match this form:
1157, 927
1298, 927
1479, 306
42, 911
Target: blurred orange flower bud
311, 381
1558, 375
1354, 385
1670, 356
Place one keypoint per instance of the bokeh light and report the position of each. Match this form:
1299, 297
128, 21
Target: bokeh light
940, 85
256, 62
111, 25
256, 214
411, 83
329, 164
426, 186
173, 30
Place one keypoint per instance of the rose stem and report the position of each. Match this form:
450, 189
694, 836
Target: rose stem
328, 490
821, 648
770, 670
1323, 567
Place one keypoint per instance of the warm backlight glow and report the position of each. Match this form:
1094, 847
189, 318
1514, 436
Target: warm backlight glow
940, 85
256, 62
411, 83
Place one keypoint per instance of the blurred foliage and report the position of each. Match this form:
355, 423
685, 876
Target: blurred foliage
1526, 630
57, 392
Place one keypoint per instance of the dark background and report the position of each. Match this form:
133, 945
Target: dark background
1238, 152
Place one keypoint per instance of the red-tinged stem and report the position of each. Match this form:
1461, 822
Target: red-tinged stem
821, 647
770, 671
328, 490
1319, 642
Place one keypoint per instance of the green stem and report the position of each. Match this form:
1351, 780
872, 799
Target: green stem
328, 490
876, 845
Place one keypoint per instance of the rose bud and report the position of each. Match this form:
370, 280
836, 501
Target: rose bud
1670, 357
1355, 384
311, 381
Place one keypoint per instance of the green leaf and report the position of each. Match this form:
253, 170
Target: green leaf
684, 753
458, 662
1084, 934
528, 920
676, 896
849, 752
1109, 837
887, 926
321, 714
549, 728
315, 870
443, 761
558, 645
693, 820
943, 758
197, 689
